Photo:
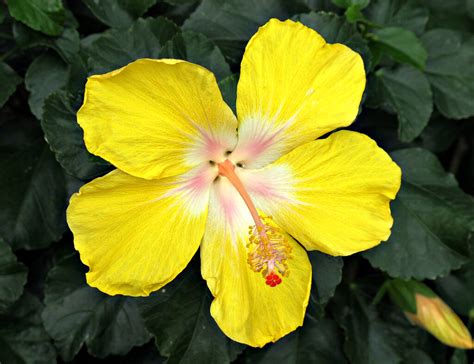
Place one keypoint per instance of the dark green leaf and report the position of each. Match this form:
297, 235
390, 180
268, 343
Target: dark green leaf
368, 338
335, 29
457, 289
228, 87
23, 339
66, 138
316, 342
408, 14
119, 13
46, 16
327, 274
470, 8
66, 44
2, 14
452, 14
179, 318
450, 72
46, 74
459, 357
230, 24
9, 81
197, 48
407, 339
76, 314
440, 134
407, 92
33, 188
401, 44
116, 48
320, 5
416, 356
348, 3
433, 220
12, 277
180, 2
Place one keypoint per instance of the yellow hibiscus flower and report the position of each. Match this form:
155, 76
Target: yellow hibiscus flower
190, 174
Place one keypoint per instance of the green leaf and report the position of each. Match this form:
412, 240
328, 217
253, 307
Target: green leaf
230, 24
76, 314
452, 14
470, 8
416, 356
450, 72
66, 44
316, 342
327, 274
47, 16
9, 81
459, 357
46, 74
320, 5
116, 48
23, 339
353, 8
228, 87
179, 318
457, 289
197, 48
354, 14
433, 220
2, 13
407, 92
440, 134
334, 29
33, 186
66, 138
400, 44
119, 13
12, 277
348, 3
368, 338
408, 14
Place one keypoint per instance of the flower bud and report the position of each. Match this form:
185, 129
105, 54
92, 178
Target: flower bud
425, 309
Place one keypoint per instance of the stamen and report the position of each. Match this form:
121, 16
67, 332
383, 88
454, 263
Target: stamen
268, 247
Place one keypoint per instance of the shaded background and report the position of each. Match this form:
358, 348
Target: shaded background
418, 105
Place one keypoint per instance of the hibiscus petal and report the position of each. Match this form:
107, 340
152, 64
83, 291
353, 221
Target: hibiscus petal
156, 118
332, 195
293, 88
245, 308
137, 235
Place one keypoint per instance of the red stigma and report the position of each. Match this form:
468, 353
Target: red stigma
272, 279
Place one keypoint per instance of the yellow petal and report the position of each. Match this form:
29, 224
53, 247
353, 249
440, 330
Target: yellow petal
156, 118
293, 88
137, 235
245, 308
332, 195
437, 318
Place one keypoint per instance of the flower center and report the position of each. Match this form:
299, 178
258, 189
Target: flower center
268, 248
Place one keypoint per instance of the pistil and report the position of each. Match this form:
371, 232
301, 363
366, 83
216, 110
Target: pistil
268, 247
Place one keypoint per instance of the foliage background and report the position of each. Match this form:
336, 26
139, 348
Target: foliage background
419, 106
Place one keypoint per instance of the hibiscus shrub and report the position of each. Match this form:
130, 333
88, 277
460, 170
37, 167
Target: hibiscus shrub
408, 300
